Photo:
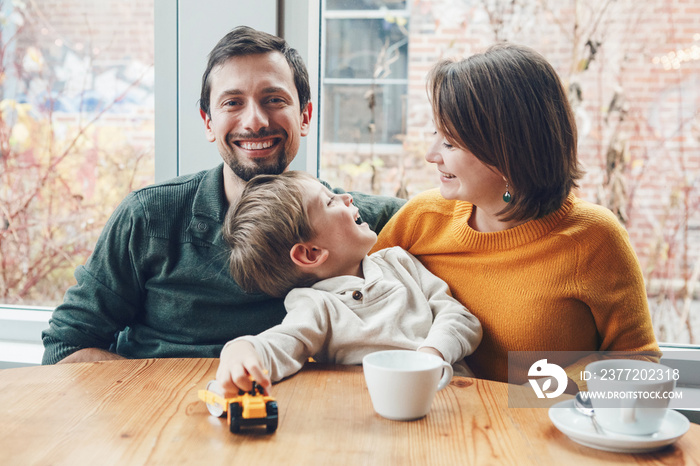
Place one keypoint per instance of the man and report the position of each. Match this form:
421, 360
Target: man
157, 283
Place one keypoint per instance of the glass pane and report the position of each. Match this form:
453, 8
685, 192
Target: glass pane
366, 48
363, 114
76, 133
365, 4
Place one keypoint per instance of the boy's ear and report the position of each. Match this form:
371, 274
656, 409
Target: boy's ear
306, 255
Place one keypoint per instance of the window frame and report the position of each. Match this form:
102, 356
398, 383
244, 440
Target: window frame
325, 15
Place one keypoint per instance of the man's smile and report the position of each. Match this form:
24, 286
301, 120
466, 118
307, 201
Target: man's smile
256, 145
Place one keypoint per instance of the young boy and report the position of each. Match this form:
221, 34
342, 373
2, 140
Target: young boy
290, 236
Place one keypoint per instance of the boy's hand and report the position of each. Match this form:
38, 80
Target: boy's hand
239, 363
431, 350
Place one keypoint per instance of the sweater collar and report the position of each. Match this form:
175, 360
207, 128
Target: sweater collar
372, 272
209, 206
210, 199
507, 239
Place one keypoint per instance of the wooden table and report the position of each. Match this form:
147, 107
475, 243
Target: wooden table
135, 412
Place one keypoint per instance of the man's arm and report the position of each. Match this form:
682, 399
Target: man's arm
90, 355
106, 295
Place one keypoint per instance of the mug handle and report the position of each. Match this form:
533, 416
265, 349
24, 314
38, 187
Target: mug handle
447, 374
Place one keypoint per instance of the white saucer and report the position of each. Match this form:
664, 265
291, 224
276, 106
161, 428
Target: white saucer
579, 428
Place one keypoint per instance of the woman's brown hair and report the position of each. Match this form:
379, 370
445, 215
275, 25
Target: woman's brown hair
507, 106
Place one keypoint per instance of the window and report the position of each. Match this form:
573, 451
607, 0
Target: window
631, 69
365, 74
76, 134
77, 131
364, 82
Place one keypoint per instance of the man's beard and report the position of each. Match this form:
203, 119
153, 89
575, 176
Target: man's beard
247, 172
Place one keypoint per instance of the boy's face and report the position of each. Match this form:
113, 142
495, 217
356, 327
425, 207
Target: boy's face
333, 217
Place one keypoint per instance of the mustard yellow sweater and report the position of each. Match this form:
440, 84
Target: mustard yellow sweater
567, 282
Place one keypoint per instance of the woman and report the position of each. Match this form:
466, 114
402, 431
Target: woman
541, 269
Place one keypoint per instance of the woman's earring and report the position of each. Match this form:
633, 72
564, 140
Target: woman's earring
507, 197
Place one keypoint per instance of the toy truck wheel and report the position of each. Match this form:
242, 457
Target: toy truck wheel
271, 408
215, 409
235, 426
235, 411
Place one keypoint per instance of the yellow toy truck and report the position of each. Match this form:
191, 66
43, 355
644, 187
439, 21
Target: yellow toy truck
252, 408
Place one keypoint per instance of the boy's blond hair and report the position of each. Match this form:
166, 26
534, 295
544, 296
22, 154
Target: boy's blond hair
262, 227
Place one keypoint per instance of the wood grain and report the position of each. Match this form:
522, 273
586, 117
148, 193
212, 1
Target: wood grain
135, 412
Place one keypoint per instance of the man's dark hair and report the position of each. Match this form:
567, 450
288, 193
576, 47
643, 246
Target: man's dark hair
245, 40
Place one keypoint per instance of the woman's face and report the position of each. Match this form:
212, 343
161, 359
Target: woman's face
464, 177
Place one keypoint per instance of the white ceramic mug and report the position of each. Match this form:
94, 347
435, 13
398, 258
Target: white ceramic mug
402, 383
630, 396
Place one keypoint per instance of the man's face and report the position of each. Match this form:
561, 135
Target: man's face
256, 120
